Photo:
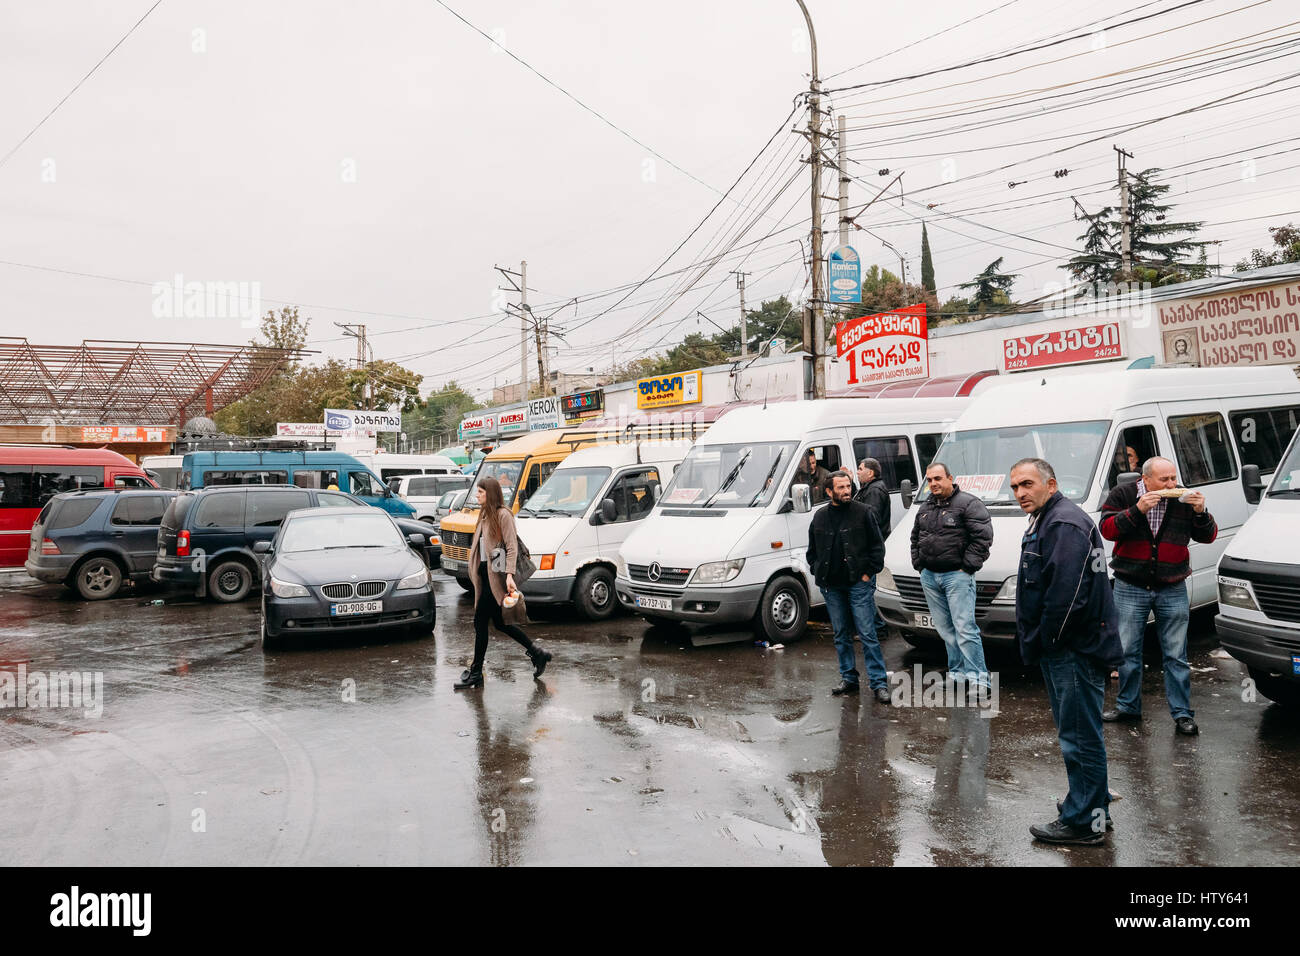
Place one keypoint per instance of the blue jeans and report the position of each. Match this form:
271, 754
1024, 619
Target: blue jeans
853, 609
1076, 687
1172, 609
950, 596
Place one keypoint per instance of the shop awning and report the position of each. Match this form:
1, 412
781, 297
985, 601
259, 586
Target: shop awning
944, 386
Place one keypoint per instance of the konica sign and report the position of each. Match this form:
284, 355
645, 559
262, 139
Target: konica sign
684, 388
341, 419
844, 275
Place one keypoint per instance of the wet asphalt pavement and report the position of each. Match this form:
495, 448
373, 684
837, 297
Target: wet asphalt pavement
636, 747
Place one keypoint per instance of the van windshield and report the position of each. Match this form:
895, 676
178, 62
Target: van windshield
1286, 482
506, 472
739, 475
981, 459
568, 491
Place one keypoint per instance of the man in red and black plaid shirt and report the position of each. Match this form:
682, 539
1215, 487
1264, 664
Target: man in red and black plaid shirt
1151, 564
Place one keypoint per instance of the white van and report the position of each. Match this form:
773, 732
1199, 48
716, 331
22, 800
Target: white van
1091, 429
164, 469
575, 523
1259, 575
390, 466
725, 545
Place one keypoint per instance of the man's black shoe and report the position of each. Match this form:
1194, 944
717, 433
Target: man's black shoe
845, 688
1058, 832
1187, 726
882, 694
1118, 716
1110, 824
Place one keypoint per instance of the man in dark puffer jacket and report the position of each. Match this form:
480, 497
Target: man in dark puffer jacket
951, 538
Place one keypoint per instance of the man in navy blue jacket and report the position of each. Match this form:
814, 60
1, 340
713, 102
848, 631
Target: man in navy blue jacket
1066, 621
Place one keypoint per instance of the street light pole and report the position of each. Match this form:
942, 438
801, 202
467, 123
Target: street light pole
814, 141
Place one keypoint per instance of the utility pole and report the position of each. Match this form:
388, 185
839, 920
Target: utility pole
1126, 239
842, 159
358, 332
522, 288
744, 328
818, 337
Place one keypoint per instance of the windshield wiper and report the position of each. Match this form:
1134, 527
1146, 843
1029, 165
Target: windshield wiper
528, 511
1285, 493
730, 478
771, 471
335, 547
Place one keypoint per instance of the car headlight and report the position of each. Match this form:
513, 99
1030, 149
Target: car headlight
718, 572
286, 590
1235, 592
1007, 593
885, 581
416, 579
620, 566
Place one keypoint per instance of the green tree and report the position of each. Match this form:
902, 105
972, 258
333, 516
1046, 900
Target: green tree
927, 262
1160, 247
991, 288
382, 384
1099, 263
1286, 239
438, 419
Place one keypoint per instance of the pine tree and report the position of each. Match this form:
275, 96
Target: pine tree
992, 287
1154, 242
1099, 263
927, 263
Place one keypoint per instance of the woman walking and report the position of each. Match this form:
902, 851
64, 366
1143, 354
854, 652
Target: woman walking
492, 554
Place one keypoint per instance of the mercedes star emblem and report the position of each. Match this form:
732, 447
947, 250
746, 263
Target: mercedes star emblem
654, 571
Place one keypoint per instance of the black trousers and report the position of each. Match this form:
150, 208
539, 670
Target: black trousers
489, 611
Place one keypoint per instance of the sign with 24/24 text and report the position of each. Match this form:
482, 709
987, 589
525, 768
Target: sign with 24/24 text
341, 419
1091, 343
886, 347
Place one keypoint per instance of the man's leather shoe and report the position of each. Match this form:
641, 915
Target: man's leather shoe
1058, 832
844, 688
1186, 726
1118, 716
882, 695
1110, 824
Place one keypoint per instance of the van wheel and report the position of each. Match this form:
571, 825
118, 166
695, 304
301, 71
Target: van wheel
594, 594
465, 583
99, 578
782, 611
230, 581
1280, 690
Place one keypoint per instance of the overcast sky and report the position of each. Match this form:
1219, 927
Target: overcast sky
373, 161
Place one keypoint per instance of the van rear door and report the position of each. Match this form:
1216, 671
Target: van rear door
17, 513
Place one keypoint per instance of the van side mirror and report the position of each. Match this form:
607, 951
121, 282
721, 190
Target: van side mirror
416, 539
608, 511
1128, 478
1251, 483
658, 492
801, 497
906, 492
261, 547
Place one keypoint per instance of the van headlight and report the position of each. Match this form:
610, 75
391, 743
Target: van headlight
718, 572
620, 567
1007, 593
417, 579
286, 590
885, 582
1236, 592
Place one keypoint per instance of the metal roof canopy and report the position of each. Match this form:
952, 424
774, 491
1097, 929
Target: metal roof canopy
943, 386
107, 380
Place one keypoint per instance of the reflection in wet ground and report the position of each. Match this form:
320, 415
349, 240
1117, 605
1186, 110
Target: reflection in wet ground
639, 746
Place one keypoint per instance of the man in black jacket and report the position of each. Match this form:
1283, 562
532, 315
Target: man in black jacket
845, 553
1066, 622
951, 538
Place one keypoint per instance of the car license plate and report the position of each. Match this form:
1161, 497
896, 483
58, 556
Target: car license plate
923, 620
1295, 664
356, 607
450, 564
655, 603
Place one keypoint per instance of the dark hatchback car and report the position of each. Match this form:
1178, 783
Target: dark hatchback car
206, 539
341, 570
96, 541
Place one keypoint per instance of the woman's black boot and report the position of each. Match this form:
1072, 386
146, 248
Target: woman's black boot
470, 678
540, 658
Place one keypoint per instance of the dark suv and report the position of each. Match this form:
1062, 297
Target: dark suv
206, 538
95, 541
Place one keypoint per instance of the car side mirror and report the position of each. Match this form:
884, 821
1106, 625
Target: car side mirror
801, 496
608, 511
416, 539
906, 492
658, 493
261, 547
1251, 483
1128, 478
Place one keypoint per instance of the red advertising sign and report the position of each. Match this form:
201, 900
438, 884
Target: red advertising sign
886, 347
1090, 343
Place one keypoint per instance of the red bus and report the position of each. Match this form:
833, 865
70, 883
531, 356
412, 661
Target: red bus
30, 475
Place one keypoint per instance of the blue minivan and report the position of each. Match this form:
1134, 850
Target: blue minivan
306, 469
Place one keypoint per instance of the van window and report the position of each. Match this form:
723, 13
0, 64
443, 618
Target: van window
266, 509
927, 446
48, 482
220, 511
71, 512
248, 477
138, 510
894, 455
828, 457
633, 494
1136, 444
1203, 450
536, 476
130, 481
389, 473
1263, 433
359, 483
305, 478
15, 486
